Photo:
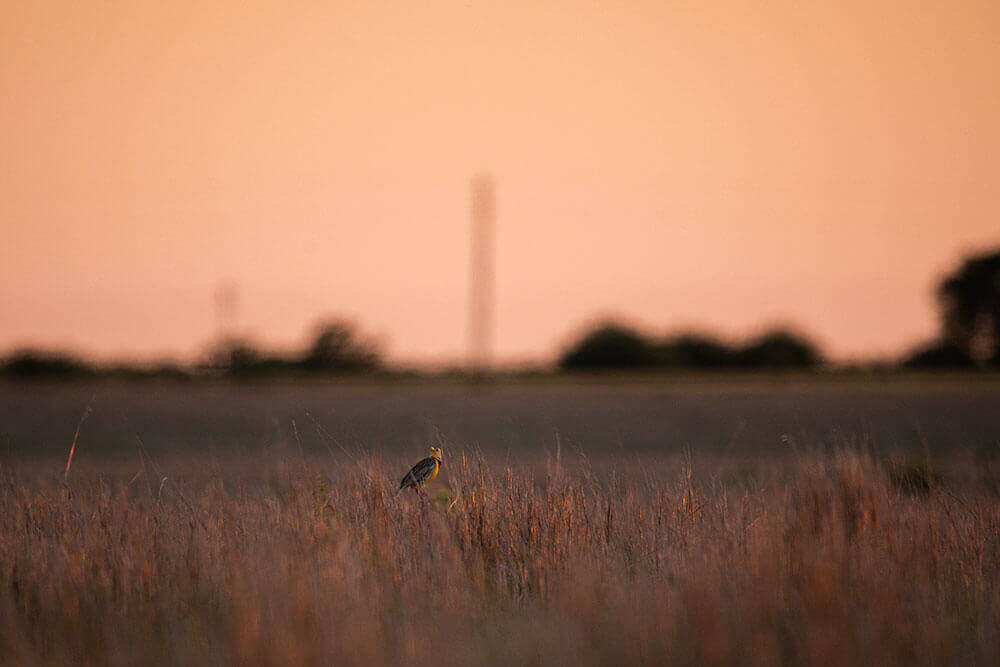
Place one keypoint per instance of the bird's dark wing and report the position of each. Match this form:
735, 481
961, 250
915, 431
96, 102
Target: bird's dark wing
418, 473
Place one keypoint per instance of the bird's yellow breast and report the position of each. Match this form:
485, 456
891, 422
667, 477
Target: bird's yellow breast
434, 473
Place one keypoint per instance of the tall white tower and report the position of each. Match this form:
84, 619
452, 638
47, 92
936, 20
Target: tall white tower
481, 274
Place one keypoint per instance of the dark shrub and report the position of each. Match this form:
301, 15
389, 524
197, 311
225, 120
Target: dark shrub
915, 477
778, 349
938, 355
234, 356
970, 308
28, 364
337, 346
608, 346
693, 351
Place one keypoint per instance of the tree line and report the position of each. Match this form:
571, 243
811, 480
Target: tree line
336, 347
969, 309
968, 301
612, 345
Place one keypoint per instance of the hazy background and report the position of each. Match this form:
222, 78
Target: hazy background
716, 164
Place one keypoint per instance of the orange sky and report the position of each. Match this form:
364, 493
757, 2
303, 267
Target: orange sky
718, 164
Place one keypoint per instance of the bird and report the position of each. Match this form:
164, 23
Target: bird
423, 472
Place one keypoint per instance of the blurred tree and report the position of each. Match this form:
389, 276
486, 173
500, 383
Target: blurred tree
614, 346
337, 346
234, 356
939, 354
778, 349
607, 346
25, 364
693, 351
970, 308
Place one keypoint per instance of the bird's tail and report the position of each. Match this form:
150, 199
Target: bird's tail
407, 482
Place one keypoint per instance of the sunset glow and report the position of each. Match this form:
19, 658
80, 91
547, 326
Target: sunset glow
718, 165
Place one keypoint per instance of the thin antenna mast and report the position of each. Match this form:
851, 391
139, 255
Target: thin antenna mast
481, 274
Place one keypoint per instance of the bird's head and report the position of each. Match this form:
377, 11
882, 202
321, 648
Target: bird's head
436, 453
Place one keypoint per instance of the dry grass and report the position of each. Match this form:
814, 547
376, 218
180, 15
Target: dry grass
828, 559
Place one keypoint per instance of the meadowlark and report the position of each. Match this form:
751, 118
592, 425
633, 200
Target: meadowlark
421, 474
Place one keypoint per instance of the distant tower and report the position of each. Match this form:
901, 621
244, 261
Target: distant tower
227, 301
481, 274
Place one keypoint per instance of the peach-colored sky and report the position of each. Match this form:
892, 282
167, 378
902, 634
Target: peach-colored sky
719, 164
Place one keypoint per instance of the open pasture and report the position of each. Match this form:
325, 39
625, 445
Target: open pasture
733, 416
706, 523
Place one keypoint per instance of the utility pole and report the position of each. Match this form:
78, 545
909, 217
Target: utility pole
481, 274
227, 299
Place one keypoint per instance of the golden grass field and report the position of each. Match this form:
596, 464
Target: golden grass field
837, 558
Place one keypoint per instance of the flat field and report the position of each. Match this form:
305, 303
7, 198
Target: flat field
667, 521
